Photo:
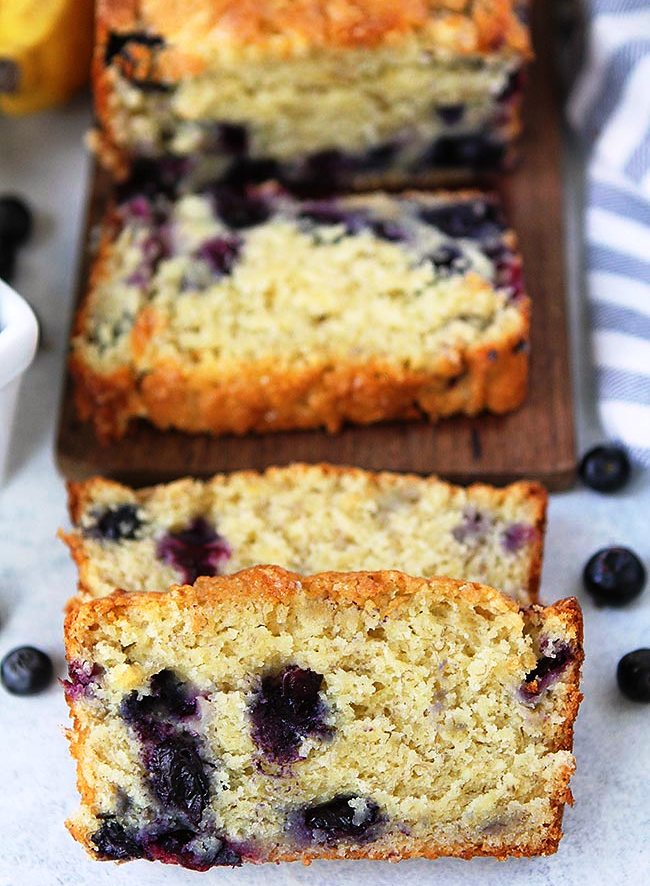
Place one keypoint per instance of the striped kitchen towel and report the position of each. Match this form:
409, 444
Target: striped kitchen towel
610, 106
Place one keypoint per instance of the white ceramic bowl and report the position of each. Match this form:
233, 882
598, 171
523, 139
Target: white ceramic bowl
18, 339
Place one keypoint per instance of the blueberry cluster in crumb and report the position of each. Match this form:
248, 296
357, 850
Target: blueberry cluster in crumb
165, 722
478, 221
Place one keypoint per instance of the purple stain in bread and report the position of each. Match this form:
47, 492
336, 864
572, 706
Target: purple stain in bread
82, 677
327, 212
554, 658
517, 535
220, 253
138, 209
474, 526
286, 709
183, 846
389, 230
194, 551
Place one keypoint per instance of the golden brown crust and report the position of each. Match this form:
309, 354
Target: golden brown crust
492, 377
277, 26
385, 590
81, 494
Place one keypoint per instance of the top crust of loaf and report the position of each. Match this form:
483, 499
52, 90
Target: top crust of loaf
383, 590
199, 29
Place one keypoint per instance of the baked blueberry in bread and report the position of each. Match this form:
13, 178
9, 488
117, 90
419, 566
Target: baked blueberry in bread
347, 93
308, 518
229, 311
266, 716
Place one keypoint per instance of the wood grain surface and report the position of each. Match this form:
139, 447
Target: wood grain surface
536, 442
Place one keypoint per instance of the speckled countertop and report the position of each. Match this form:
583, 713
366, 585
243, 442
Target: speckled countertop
607, 833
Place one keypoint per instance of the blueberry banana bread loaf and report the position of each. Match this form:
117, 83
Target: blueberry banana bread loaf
354, 93
228, 311
265, 716
307, 518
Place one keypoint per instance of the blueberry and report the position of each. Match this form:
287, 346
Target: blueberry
474, 526
555, 656
154, 178
473, 219
7, 261
177, 776
327, 168
344, 817
517, 536
605, 468
233, 138
327, 213
287, 708
379, 157
26, 671
16, 221
239, 210
451, 114
220, 253
118, 44
169, 699
197, 550
448, 257
633, 675
614, 576
474, 151
244, 171
118, 522
182, 846
115, 843
387, 230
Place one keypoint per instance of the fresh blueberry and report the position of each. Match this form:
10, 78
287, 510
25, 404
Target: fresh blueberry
177, 776
197, 550
7, 260
16, 221
614, 576
345, 817
287, 708
451, 114
114, 842
26, 671
605, 468
633, 675
240, 210
117, 522
220, 253
555, 656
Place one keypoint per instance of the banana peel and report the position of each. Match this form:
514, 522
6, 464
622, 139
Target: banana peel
45, 52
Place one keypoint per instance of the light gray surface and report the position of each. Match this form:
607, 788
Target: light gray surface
606, 833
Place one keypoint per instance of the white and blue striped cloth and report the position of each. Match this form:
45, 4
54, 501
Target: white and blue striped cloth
610, 106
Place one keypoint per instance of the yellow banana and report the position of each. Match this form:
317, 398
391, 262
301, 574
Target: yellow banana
45, 50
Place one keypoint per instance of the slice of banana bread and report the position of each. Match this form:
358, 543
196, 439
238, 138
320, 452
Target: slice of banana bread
309, 519
266, 716
353, 94
230, 311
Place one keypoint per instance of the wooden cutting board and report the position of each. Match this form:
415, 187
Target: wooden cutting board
535, 442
